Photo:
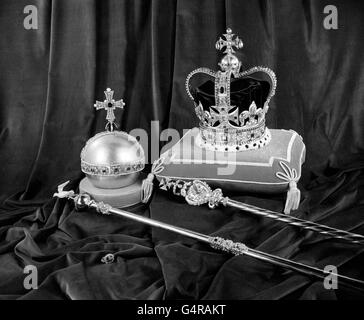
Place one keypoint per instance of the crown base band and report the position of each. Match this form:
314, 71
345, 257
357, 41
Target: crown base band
209, 139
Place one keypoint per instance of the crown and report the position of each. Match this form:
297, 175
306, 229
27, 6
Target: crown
225, 127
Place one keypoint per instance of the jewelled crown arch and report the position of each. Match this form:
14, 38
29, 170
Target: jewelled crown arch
224, 127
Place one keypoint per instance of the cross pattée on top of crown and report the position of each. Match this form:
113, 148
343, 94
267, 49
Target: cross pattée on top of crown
229, 42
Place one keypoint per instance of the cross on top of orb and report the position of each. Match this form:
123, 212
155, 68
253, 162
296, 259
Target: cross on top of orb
109, 104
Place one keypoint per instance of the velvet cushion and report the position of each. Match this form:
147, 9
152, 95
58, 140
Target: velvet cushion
250, 170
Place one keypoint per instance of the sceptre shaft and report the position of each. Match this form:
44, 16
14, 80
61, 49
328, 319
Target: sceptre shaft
199, 192
236, 248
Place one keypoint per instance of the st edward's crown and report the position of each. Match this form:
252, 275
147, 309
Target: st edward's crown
226, 127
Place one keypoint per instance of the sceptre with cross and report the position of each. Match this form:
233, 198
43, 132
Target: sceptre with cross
109, 104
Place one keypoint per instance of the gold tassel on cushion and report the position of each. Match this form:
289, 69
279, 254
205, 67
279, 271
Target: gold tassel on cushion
147, 185
293, 194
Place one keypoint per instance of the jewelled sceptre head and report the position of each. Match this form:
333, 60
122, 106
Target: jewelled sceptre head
110, 104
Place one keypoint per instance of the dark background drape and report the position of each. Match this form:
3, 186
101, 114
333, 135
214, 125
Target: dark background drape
49, 80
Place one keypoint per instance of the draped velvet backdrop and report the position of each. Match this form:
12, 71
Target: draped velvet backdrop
50, 78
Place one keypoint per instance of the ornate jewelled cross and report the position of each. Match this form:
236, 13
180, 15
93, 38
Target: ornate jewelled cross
224, 116
109, 104
229, 43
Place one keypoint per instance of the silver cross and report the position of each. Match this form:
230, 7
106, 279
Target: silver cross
109, 104
229, 43
224, 116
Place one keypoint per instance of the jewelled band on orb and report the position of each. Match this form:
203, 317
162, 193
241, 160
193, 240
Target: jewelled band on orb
111, 170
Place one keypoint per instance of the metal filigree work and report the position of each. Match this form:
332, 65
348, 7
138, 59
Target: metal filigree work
103, 208
196, 193
111, 170
236, 248
223, 128
229, 42
109, 104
